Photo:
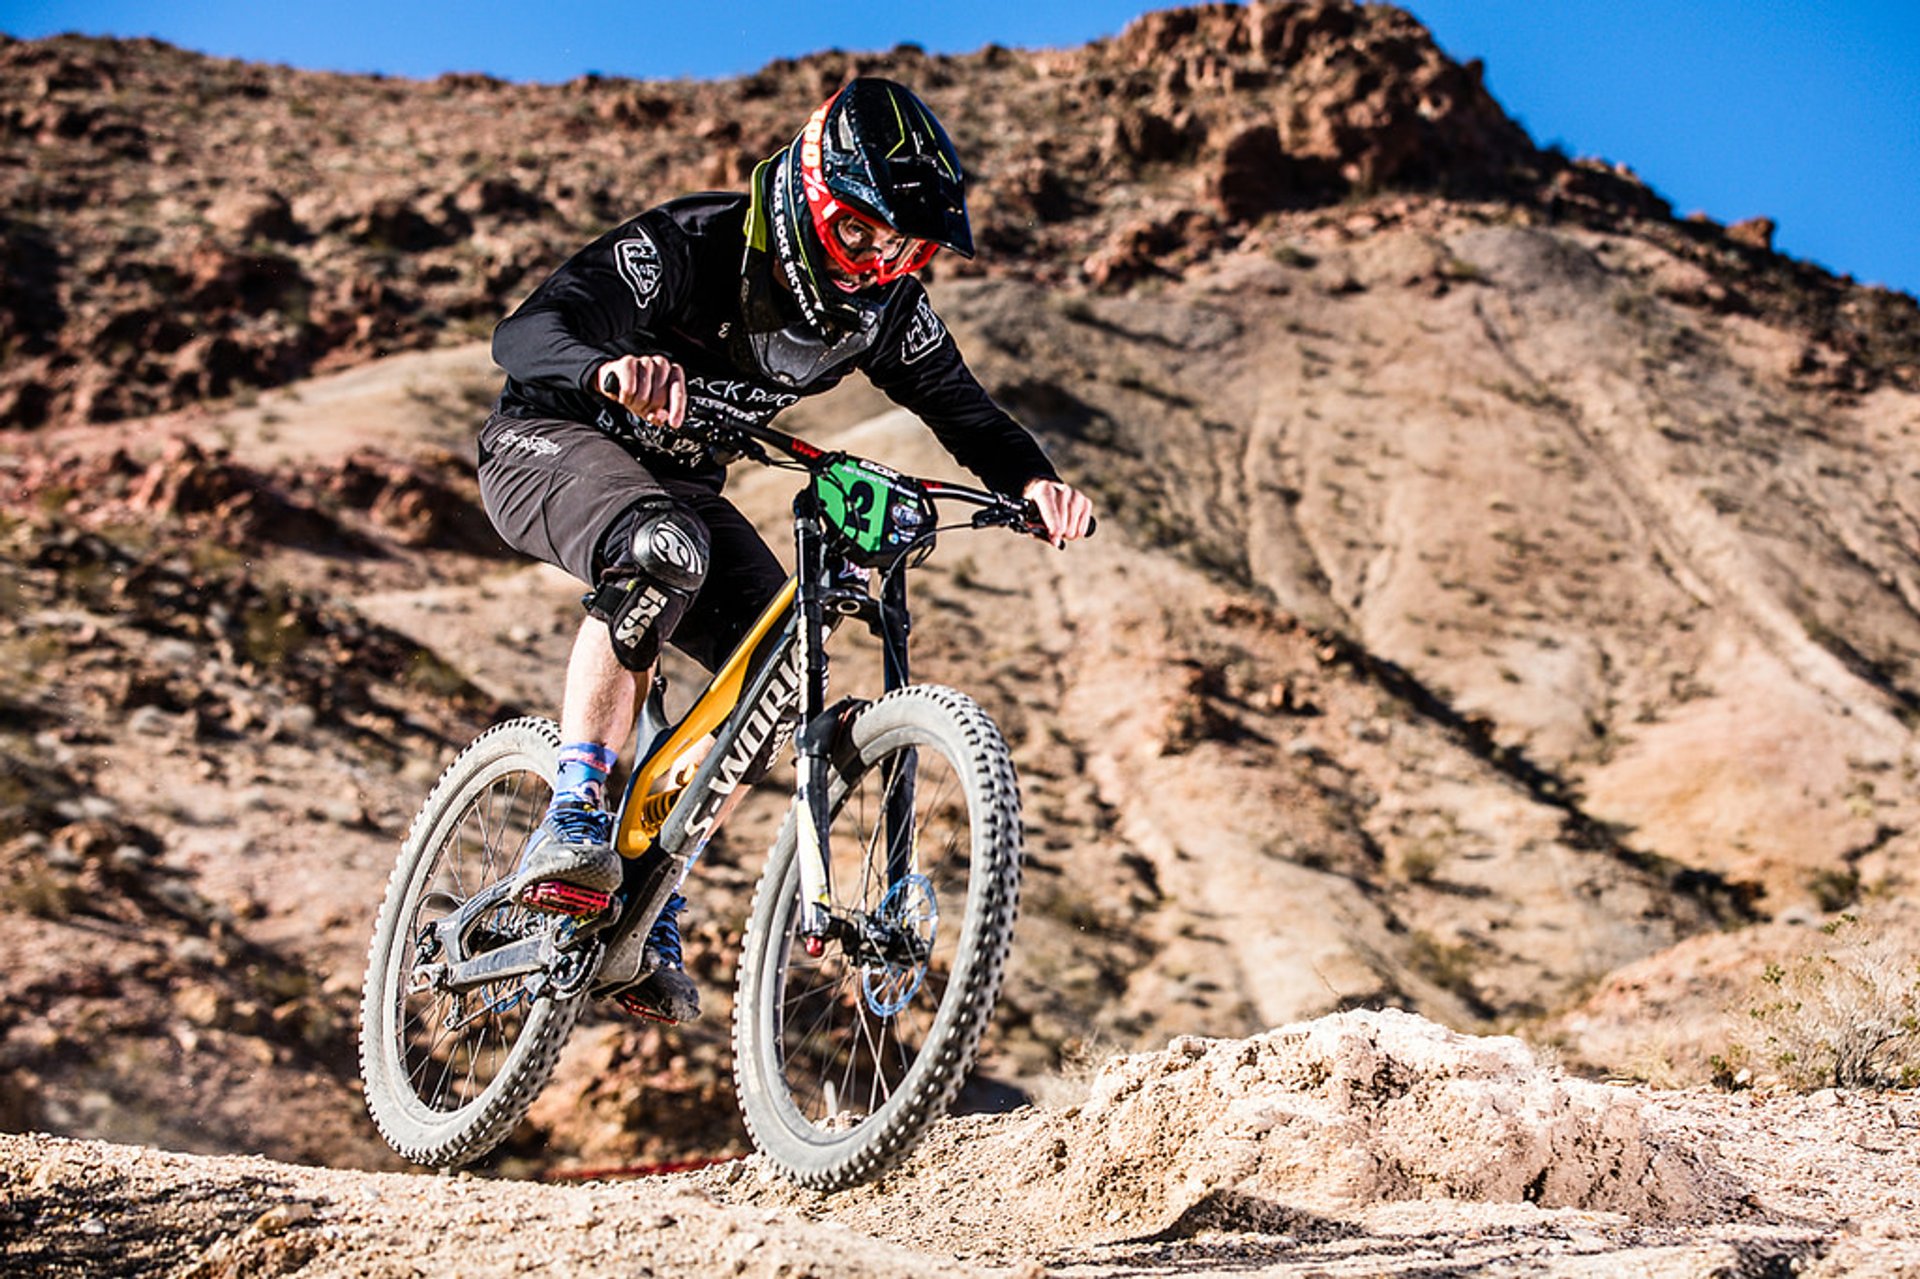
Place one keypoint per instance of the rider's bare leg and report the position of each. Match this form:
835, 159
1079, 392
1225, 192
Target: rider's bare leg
602, 696
601, 701
568, 865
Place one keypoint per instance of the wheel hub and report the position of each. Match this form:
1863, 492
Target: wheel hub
897, 945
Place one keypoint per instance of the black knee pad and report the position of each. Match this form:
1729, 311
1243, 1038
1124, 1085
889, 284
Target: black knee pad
657, 561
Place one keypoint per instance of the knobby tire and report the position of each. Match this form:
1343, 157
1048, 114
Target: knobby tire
842, 1065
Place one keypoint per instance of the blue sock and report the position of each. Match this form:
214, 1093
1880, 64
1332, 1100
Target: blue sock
582, 778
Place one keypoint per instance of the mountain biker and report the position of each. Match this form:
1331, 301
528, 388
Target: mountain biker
712, 309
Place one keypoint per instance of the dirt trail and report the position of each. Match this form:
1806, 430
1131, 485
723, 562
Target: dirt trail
1360, 1143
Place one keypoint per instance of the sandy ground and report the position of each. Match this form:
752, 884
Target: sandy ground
1357, 1144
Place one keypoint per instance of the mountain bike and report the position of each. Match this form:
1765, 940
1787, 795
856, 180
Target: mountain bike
880, 926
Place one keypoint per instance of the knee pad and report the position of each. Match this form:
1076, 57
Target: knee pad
658, 561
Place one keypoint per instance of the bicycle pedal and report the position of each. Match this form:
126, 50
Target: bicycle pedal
633, 1005
560, 898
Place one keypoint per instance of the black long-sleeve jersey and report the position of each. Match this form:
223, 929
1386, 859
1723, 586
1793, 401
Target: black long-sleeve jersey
668, 282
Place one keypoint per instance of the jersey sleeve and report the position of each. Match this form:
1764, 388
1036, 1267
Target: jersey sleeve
918, 365
625, 283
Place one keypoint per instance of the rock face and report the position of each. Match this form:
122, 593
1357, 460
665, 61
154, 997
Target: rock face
180, 227
1356, 97
154, 987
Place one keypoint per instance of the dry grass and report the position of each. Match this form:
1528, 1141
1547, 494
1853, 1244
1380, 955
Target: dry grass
1844, 1014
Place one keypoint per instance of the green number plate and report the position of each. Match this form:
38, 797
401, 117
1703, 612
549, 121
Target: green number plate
875, 510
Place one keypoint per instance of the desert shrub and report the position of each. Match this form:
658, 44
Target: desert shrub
1845, 1013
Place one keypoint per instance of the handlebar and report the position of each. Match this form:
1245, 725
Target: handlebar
750, 440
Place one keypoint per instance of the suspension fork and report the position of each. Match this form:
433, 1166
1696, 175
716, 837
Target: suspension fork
899, 774
812, 745
890, 622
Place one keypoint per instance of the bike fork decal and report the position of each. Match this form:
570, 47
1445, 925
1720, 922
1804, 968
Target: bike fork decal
814, 888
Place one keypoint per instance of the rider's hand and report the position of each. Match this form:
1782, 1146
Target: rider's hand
1064, 510
651, 387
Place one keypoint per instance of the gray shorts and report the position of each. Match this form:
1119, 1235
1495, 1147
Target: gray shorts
555, 489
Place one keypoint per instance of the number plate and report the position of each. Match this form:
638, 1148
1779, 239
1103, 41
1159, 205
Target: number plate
877, 513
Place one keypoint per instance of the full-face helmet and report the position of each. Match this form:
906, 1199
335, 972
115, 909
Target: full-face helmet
866, 195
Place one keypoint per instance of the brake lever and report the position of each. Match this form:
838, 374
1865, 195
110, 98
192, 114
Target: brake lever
726, 439
1001, 517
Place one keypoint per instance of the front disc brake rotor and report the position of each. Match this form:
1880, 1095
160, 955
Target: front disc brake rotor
908, 919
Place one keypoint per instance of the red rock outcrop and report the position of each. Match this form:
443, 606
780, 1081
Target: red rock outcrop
182, 227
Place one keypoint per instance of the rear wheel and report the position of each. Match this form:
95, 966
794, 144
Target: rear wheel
450, 1075
847, 1047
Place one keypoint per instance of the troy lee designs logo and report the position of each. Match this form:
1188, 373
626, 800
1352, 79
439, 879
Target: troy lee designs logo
924, 333
639, 263
527, 444
770, 721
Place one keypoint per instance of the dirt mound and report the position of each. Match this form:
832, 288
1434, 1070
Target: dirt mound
1302, 1123
1359, 1143
1354, 1109
86, 1208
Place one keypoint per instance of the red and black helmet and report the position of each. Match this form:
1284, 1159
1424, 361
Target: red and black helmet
866, 194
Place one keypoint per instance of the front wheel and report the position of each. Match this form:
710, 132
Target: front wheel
852, 1038
448, 1073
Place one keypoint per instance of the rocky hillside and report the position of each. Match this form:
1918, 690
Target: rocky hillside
1506, 605
179, 227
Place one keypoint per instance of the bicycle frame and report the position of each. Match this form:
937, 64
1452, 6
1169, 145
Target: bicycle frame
751, 706
771, 688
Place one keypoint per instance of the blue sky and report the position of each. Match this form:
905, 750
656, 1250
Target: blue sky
1802, 111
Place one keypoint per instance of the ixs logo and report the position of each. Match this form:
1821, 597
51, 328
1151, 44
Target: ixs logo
639, 617
533, 444
768, 725
924, 334
671, 546
639, 263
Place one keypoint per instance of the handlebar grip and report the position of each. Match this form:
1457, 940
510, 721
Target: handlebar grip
610, 382
1038, 527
